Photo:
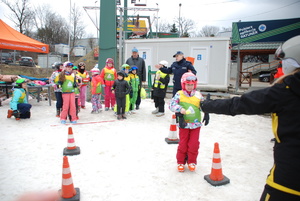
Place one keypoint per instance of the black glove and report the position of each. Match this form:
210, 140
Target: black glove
208, 97
206, 115
16, 114
205, 119
180, 120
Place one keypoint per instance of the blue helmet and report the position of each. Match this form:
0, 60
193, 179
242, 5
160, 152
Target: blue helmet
133, 68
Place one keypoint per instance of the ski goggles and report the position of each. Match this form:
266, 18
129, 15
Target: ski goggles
191, 78
69, 65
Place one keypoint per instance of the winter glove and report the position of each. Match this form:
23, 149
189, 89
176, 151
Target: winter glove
16, 114
180, 120
205, 119
206, 115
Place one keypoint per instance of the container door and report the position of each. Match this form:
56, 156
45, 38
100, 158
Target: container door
201, 58
145, 53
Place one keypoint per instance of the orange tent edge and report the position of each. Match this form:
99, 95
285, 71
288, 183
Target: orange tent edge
14, 40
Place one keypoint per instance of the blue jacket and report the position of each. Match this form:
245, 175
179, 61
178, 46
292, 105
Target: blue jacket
19, 96
178, 69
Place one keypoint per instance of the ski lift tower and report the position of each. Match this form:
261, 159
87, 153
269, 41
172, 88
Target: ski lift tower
107, 30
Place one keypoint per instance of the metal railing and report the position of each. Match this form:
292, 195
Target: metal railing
257, 68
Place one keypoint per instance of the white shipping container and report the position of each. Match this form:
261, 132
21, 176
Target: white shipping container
45, 60
62, 48
79, 51
212, 57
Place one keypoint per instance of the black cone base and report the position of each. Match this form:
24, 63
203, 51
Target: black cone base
70, 152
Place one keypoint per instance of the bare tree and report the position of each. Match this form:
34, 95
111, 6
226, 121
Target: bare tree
21, 14
51, 27
164, 26
77, 27
186, 25
209, 31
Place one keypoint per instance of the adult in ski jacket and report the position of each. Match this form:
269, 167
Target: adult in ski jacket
178, 68
282, 101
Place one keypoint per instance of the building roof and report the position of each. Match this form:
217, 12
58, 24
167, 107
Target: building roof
258, 46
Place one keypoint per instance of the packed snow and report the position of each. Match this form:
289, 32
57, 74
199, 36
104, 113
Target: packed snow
129, 159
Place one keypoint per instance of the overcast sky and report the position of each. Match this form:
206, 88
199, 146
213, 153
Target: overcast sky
219, 13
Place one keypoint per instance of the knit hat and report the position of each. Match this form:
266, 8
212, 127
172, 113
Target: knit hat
95, 71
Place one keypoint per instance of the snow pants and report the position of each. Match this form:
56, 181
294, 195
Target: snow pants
121, 105
69, 107
96, 102
83, 95
127, 104
24, 109
272, 194
159, 103
133, 100
188, 146
59, 101
109, 100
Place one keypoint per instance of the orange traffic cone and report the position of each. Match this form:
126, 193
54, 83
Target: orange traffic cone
68, 192
172, 138
72, 149
216, 177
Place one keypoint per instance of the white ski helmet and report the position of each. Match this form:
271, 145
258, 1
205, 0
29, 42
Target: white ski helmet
164, 63
289, 53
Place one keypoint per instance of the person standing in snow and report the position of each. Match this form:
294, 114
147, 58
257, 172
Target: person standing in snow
282, 101
120, 88
96, 91
186, 105
57, 88
135, 87
20, 108
160, 84
108, 75
85, 81
178, 68
67, 80
139, 62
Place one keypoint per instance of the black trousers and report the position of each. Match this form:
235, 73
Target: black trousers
138, 99
59, 100
121, 105
24, 109
159, 103
272, 194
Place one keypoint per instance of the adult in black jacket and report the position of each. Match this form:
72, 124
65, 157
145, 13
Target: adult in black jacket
178, 68
120, 88
283, 101
136, 60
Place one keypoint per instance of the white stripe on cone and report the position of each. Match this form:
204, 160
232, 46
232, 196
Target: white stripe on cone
67, 182
216, 166
66, 171
217, 155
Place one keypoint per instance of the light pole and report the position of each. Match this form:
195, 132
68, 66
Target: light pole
157, 20
97, 21
179, 20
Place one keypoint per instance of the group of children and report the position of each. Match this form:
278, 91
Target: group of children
70, 85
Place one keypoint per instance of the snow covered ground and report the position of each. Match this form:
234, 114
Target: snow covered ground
130, 160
